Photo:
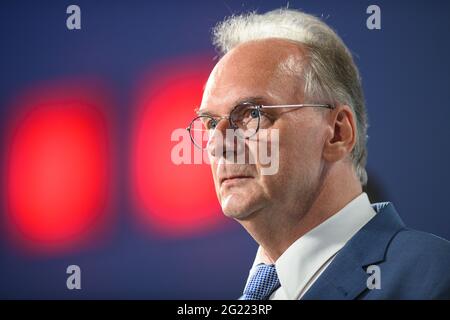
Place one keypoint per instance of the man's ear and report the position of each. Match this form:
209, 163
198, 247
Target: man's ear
342, 139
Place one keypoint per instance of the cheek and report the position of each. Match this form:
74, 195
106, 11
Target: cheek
214, 165
214, 172
305, 135
300, 149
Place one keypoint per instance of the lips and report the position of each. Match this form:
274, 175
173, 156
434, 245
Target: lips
234, 178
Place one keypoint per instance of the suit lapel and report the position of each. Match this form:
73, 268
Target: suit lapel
346, 278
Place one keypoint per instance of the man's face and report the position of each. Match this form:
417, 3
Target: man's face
263, 70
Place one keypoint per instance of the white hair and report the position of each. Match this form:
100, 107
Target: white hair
330, 72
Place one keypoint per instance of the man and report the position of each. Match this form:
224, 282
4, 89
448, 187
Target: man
319, 237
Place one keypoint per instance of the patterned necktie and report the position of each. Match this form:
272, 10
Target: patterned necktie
262, 283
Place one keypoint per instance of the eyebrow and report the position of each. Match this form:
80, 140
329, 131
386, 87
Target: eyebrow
254, 100
202, 112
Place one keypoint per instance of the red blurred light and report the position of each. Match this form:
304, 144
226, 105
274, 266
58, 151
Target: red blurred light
173, 199
58, 168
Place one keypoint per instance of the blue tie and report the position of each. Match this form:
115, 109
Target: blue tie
262, 283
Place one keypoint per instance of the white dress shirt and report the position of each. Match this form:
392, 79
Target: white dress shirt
305, 260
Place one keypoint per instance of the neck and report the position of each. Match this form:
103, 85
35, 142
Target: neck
276, 232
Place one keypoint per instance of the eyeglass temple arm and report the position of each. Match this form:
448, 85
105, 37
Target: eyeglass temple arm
329, 106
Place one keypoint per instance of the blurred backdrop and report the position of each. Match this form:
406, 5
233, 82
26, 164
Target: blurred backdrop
86, 118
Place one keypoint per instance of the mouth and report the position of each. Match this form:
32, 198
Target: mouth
234, 179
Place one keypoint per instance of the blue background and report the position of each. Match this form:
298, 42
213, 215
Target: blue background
406, 76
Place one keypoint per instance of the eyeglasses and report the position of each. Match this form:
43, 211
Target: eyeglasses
246, 119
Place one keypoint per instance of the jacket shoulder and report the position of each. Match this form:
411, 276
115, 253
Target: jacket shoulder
413, 242
422, 260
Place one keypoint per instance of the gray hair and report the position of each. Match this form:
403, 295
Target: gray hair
330, 72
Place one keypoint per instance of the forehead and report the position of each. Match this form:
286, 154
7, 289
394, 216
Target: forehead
268, 69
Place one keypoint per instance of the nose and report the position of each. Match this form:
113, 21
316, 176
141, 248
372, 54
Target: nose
223, 142
216, 138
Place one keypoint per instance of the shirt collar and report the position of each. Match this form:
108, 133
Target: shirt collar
305, 257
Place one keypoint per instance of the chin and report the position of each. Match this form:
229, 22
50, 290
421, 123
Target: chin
237, 206
237, 215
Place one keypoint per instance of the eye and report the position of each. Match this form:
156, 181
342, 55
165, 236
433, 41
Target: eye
248, 114
254, 113
210, 124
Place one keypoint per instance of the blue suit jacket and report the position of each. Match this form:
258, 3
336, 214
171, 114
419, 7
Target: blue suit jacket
412, 264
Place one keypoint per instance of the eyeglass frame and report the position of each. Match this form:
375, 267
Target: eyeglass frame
257, 107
